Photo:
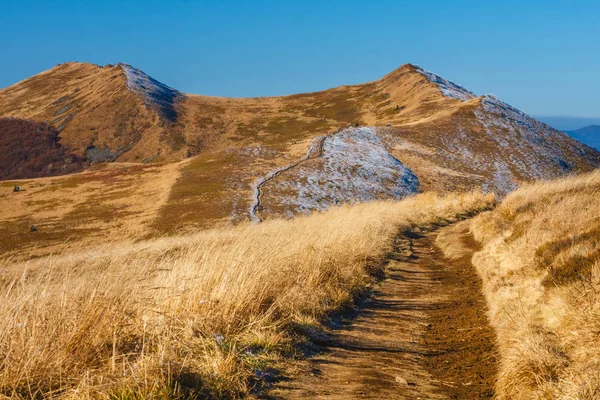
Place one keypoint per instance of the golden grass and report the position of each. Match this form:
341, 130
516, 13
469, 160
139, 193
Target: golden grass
106, 204
205, 315
541, 270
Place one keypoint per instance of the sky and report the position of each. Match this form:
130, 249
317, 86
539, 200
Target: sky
540, 56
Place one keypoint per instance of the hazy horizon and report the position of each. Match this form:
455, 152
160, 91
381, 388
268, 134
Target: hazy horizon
567, 123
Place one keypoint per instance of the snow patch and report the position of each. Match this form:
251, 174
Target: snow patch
155, 94
353, 166
315, 149
532, 149
448, 89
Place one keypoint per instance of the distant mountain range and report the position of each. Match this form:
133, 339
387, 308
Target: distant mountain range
566, 124
589, 135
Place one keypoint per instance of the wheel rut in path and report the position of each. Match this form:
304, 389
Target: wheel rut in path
423, 333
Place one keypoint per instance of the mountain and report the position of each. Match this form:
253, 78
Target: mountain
589, 135
566, 124
109, 113
194, 161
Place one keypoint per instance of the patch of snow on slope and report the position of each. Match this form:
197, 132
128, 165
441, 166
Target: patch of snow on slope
502, 115
448, 89
155, 94
503, 179
534, 149
354, 167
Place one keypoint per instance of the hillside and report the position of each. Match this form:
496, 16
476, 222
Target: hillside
258, 158
108, 113
540, 266
32, 149
589, 135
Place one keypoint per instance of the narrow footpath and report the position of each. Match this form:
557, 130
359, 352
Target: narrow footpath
423, 334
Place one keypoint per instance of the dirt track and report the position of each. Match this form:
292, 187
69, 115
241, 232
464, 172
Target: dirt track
315, 151
422, 334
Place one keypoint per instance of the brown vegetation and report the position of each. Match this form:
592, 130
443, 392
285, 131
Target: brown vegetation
31, 149
205, 315
541, 270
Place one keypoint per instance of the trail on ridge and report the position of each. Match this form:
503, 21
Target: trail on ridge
315, 150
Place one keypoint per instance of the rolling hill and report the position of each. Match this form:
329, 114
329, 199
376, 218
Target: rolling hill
199, 161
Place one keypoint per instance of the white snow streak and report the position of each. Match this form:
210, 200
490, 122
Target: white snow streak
531, 147
448, 89
154, 93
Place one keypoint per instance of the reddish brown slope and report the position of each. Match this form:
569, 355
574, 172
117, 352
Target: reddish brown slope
32, 149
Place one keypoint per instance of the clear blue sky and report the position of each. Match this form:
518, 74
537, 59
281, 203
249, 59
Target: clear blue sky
541, 56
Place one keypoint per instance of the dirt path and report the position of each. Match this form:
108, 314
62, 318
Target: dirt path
422, 334
314, 151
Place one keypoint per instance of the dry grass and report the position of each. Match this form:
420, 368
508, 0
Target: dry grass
109, 203
541, 270
206, 315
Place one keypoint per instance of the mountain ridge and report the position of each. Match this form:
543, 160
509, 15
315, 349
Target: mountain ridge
229, 160
116, 112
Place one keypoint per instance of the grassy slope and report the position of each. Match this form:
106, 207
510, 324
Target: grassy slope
109, 203
90, 105
201, 315
541, 269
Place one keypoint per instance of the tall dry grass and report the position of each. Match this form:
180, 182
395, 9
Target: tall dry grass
541, 270
206, 315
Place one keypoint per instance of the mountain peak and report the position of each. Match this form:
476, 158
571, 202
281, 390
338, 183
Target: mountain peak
448, 88
589, 128
590, 135
155, 94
